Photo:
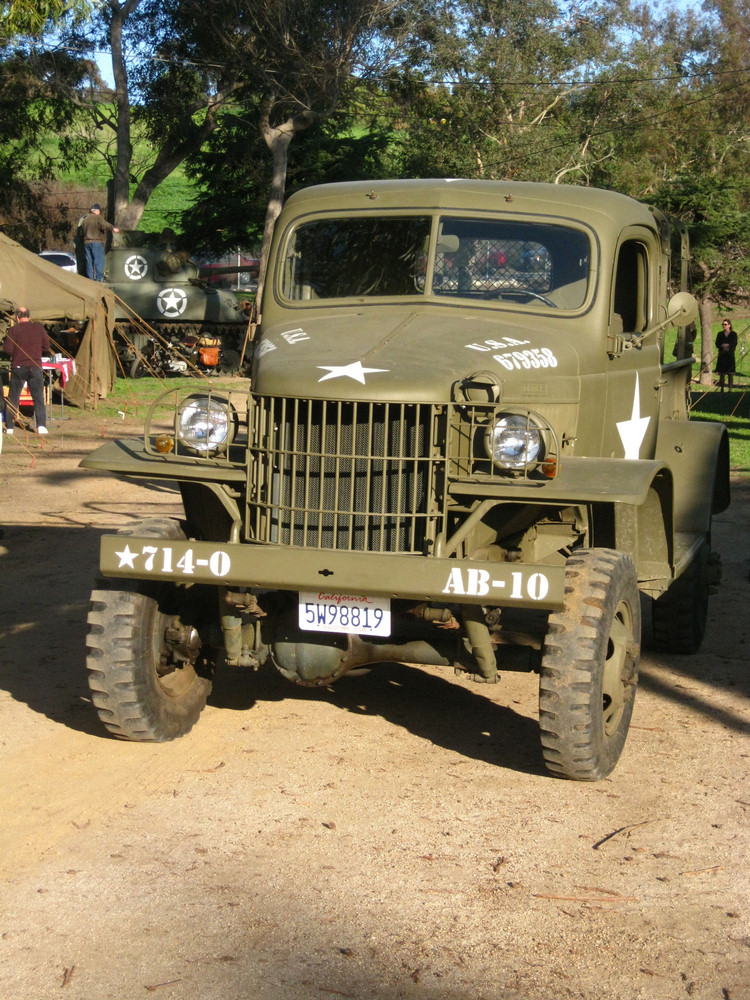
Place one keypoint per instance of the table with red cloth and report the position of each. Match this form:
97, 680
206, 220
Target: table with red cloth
65, 366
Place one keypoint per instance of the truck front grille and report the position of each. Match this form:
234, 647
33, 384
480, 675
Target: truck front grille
344, 475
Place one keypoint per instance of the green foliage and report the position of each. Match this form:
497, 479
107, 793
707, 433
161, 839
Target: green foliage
30, 17
488, 90
231, 173
715, 210
36, 145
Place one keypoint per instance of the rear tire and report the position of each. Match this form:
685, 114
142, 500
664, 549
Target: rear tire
678, 617
142, 688
590, 666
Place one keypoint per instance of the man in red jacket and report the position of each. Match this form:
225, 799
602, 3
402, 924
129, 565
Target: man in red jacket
26, 342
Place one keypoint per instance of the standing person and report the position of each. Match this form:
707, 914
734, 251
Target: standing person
26, 342
94, 230
726, 344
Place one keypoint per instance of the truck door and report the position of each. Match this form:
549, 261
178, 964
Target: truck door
632, 406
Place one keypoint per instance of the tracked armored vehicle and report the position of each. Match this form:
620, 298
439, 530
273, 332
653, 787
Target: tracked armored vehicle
464, 446
162, 285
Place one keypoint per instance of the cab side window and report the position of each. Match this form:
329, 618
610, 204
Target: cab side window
630, 305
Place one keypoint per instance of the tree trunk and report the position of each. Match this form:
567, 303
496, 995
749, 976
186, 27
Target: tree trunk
277, 138
126, 212
124, 148
705, 314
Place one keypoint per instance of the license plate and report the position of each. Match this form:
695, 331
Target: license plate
354, 613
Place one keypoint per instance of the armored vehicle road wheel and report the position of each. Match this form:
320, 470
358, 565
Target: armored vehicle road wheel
678, 617
138, 369
590, 666
229, 363
143, 667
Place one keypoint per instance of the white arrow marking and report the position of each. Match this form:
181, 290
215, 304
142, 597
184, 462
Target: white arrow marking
633, 431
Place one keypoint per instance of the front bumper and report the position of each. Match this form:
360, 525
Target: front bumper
270, 567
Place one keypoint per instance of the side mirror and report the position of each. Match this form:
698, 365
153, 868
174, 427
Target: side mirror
447, 244
682, 309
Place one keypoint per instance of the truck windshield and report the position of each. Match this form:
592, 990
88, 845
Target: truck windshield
505, 260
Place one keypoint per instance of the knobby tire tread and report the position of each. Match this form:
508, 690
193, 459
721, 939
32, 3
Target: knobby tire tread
570, 715
122, 644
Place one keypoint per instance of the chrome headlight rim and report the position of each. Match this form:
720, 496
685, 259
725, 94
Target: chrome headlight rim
205, 424
515, 441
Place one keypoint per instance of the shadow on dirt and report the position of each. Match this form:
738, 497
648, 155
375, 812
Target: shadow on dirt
434, 708
46, 575
45, 579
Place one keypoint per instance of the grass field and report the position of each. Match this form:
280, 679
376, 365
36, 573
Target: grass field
731, 408
165, 206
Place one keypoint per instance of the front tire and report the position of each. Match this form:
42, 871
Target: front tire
590, 666
145, 688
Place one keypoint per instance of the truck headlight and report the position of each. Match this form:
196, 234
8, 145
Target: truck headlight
514, 441
205, 424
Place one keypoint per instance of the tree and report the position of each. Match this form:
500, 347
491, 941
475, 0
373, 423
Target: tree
160, 103
301, 61
30, 109
163, 99
701, 154
29, 208
231, 172
177, 73
486, 88
31, 17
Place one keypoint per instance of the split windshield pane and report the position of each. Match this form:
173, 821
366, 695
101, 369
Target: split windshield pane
507, 261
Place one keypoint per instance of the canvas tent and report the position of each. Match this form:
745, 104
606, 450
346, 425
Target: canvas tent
56, 296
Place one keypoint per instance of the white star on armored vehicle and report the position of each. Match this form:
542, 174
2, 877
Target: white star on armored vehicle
171, 302
136, 267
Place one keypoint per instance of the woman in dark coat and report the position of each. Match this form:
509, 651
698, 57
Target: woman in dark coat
726, 343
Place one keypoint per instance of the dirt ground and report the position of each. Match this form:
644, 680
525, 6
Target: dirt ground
393, 836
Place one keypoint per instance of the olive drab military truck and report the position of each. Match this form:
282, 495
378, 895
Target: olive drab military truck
464, 445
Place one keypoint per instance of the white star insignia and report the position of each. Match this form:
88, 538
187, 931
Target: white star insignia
136, 267
127, 558
354, 370
633, 431
171, 302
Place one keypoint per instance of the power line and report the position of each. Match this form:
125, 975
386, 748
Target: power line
485, 84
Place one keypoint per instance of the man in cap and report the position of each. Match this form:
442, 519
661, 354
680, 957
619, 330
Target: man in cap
94, 230
26, 342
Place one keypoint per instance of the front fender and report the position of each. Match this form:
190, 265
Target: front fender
579, 481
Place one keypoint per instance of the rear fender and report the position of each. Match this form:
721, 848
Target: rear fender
643, 527
697, 452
